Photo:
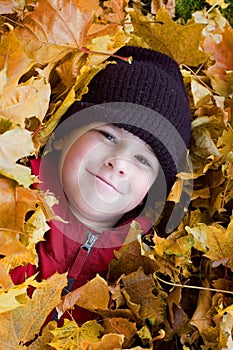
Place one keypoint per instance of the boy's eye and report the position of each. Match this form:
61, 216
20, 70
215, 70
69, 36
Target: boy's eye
143, 160
108, 136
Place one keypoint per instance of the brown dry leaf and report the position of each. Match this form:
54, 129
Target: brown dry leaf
121, 326
138, 291
22, 324
129, 258
108, 342
165, 35
13, 58
55, 22
71, 337
200, 318
93, 296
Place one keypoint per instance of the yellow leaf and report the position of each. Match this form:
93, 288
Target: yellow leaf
36, 227
165, 35
26, 100
93, 296
225, 141
108, 45
3, 79
70, 335
13, 58
8, 300
85, 75
120, 326
5, 280
15, 201
220, 244
220, 3
201, 95
108, 342
199, 234
15, 144
24, 323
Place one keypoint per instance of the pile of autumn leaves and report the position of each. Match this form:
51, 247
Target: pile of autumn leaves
154, 302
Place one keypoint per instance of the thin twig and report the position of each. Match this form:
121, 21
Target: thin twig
194, 287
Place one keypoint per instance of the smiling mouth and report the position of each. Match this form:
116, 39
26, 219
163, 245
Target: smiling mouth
105, 182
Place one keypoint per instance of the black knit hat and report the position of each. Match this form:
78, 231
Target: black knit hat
153, 80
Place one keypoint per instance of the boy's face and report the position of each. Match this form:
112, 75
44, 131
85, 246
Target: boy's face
106, 173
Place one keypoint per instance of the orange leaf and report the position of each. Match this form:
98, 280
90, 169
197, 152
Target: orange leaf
59, 22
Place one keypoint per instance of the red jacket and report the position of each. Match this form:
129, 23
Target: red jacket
74, 248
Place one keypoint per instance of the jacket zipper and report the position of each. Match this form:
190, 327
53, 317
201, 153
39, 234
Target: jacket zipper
90, 241
80, 259
83, 253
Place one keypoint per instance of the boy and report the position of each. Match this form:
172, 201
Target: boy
128, 135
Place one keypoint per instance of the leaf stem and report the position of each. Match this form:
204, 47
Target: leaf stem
194, 287
126, 59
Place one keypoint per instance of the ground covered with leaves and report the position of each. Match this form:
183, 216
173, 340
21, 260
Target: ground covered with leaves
171, 291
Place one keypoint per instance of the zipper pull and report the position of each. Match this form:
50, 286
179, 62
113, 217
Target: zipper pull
90, 241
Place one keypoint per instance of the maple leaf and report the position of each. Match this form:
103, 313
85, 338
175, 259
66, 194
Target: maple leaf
165, 35
16, 201
93, 296
220, 72
23, 323
55, 22
26, 100
108, 342
70, 336
5, 280
15, 296
220, 243
43, 340
200, 318
121, 326
75, 93
141, 300
17, 238
13, 58
15, 144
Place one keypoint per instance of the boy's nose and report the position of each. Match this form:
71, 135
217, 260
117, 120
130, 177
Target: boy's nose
118, 165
